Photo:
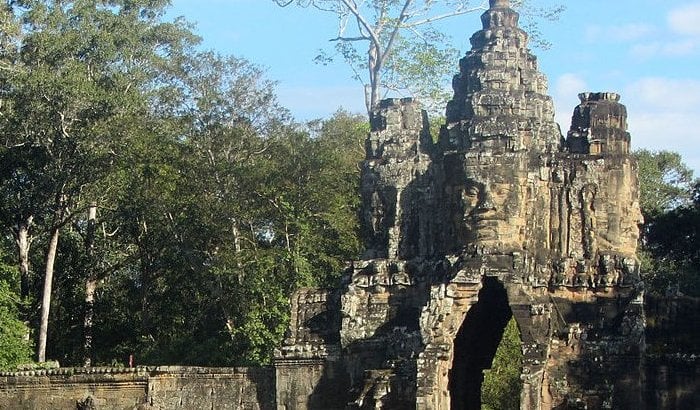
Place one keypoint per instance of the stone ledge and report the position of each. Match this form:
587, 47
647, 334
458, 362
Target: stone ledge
139, 371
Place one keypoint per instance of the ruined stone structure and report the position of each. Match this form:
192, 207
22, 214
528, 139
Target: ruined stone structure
502, 217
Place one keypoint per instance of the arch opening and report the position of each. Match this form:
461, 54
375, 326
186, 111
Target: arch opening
476, 343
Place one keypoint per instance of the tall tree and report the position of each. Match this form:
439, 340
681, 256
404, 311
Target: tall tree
396, 45
83, 73
672, 243
170, 176
261, 189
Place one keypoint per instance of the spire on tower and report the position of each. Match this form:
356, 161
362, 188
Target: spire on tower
499, 15
498, 4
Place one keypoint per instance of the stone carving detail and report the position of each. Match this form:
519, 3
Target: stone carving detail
397, 155
501, 203
87, 404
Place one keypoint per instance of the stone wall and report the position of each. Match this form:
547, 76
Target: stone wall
163, 387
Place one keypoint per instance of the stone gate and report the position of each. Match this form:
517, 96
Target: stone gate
501, 217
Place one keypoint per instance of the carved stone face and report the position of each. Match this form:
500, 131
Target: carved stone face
491, 198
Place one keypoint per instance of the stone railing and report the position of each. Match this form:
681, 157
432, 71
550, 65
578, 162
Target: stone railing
157, 387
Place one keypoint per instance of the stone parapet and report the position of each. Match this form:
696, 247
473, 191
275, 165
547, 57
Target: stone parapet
157, 387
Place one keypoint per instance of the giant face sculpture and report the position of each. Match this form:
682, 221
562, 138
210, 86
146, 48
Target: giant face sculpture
488, 196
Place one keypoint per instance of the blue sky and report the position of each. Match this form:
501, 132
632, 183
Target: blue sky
646, 50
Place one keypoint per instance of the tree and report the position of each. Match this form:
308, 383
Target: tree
670, 202
227, 208
672, 240
279, 217
171, 176
405, 51
665, 182
83, 72
14, 348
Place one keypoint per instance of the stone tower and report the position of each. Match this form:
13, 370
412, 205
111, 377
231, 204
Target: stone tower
502, 218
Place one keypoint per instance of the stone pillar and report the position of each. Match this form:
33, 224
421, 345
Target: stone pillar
599, 125
309, 372
398, 149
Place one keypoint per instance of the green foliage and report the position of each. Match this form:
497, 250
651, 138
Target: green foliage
422, 67
436, 123
212, 206
14, 348
671, 207
665, 182
84, 78
672, 241
501, 387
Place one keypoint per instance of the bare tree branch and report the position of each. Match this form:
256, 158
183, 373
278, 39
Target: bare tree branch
442, 17
360, 18
381, 23
360, 38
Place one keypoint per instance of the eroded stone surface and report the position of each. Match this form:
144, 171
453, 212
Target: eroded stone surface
502, 201
503, 215
156, 388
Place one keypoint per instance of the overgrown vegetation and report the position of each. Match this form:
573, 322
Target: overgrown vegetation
670, 245
171, 206
15, 347
156, 199
502, 385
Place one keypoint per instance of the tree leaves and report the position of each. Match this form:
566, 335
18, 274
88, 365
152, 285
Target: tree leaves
670, 239
14, 348
664, 180
501, 387
212, 205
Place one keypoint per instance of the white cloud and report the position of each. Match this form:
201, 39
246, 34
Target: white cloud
664, 49
570, 83
665, 93
666, 131
680, 38
685, 19
662, 113
681, 48
624, 33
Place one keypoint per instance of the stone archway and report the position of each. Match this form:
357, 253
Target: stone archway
475, 344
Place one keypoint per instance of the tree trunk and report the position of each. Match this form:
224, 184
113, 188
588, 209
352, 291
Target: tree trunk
145, 312
46, 296
24, 242
229, 322
374, 66
90, 286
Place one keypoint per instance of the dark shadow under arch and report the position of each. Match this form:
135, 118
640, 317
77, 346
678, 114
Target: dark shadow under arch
476, 343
